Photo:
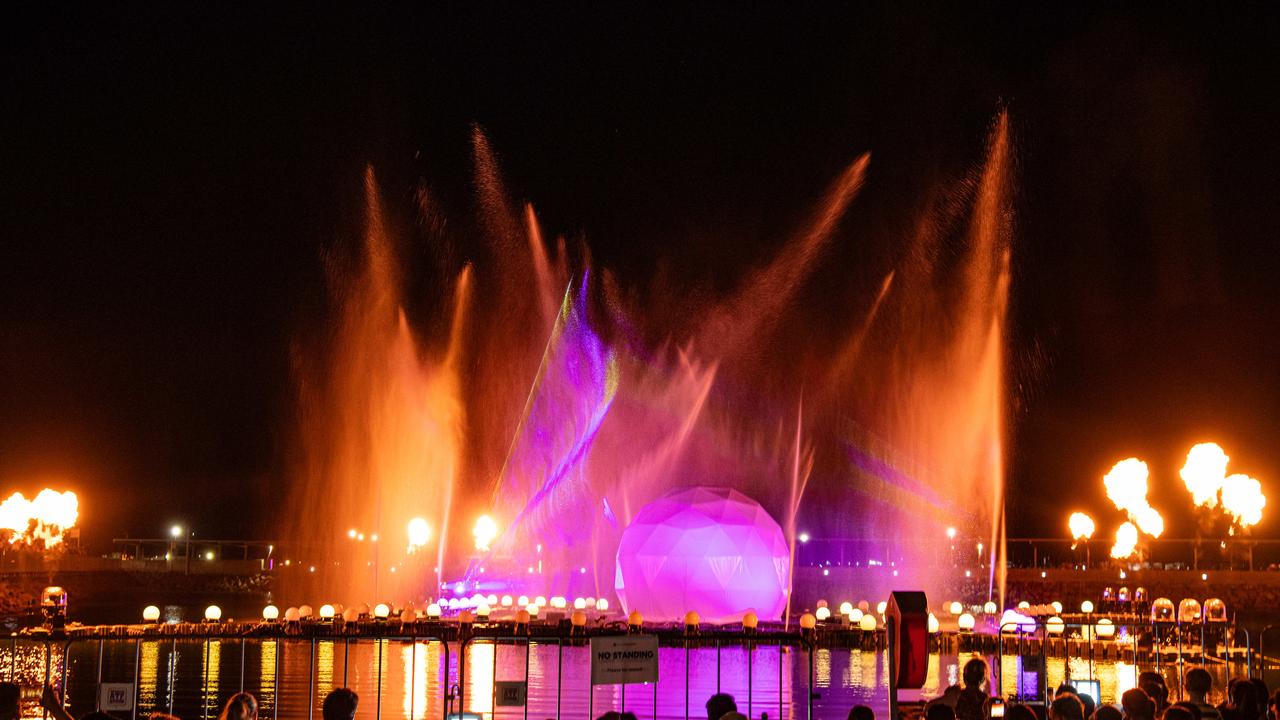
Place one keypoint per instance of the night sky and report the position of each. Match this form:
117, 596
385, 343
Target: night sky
170, 180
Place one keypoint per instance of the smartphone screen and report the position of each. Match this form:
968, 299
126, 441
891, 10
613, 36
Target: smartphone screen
1092, 688
997, 708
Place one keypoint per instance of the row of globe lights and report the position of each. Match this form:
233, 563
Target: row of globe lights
382, 611
861, 616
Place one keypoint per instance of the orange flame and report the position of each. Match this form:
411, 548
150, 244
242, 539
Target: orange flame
1204, 473
41, 521
1081, 525
1126, 541
1242, 498
1239, 496
1127, 487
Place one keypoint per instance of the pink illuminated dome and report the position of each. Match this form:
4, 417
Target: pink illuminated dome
711, 550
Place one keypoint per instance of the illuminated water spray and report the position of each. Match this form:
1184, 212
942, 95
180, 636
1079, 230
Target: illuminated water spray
553, 402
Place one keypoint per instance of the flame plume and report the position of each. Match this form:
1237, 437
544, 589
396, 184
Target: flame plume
1204, 473
1126, 541
1127, 487
1242, 498
39, 522
1081, 525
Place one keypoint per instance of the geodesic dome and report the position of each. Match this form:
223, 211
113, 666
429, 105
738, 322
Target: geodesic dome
709, 549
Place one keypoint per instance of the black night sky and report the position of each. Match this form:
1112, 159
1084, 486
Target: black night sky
170, 179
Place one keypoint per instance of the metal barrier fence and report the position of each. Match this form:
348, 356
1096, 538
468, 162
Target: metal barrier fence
59, 661
748, 641
57, 654
1165, 637
87, 660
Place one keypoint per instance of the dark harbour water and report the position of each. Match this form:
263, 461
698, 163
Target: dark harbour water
403, 679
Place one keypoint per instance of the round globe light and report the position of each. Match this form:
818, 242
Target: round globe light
808, 621
271, 612
381, 611
150, 613
433, 611
579, 603
602, 605
326, 612
1086, 606
213, 613
956, 608
507, 601
934, 626
846, 607
1055, 625
966, 622
867, 623
822, 613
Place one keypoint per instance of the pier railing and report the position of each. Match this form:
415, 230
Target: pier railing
442, 669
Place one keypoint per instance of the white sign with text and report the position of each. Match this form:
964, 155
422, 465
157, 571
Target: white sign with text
624, 659
115, 696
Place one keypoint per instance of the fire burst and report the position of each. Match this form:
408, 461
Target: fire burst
1126, 541
41, 521
1127, 487
1205, 475
1081, 526
1242, 498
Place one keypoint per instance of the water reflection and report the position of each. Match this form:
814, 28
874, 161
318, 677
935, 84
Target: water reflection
148, 673
324, 668
289, 676
481, 664
414, 665
267, 657
213, 673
